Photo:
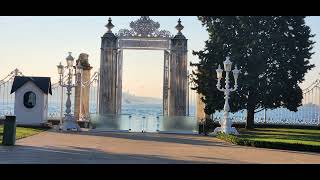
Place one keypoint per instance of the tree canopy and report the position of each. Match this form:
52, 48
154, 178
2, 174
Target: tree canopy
273, 53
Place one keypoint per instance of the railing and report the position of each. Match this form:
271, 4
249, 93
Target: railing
94, 93
56, 102
6, 98
307, 114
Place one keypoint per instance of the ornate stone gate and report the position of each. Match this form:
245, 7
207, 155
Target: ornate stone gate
144, 34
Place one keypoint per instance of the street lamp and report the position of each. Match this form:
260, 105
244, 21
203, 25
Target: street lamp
226, 123
69, 123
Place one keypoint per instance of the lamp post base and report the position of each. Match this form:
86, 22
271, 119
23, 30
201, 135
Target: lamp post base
69, 124
227, 130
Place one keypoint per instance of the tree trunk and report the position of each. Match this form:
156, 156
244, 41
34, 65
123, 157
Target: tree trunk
250, 112
250, 117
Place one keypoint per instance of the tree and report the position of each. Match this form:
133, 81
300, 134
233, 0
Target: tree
273, 53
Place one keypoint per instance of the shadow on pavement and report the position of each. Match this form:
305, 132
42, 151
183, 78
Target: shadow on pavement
194, 140
77, 155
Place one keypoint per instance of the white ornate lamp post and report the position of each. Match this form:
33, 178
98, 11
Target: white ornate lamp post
69, 123
226, 124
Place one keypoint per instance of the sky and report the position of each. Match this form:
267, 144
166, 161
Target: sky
36, 45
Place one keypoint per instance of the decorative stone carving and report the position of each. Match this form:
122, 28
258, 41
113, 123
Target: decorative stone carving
143, 43
144, 27
84, 61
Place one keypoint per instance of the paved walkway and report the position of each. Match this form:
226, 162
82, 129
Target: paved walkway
113, 148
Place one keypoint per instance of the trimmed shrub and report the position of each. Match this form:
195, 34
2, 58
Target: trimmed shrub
267, 144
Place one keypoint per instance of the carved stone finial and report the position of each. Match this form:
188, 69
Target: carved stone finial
110, 25
179, 27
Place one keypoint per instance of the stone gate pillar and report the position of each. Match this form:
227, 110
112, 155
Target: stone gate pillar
200, 113
166, 83
108, 73
82, 93
119, 81
178, 83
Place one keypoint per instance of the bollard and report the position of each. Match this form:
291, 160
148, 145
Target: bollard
9, 131
158, 124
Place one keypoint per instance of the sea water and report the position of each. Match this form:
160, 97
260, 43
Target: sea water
137, 109
306, 115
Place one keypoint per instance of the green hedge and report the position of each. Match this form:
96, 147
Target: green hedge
267, 144
210, 126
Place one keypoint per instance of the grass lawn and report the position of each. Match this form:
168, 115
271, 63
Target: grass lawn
289, 139
23, 132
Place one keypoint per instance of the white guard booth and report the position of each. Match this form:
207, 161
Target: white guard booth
31, 100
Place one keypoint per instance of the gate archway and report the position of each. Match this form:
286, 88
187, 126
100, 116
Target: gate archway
144, 34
